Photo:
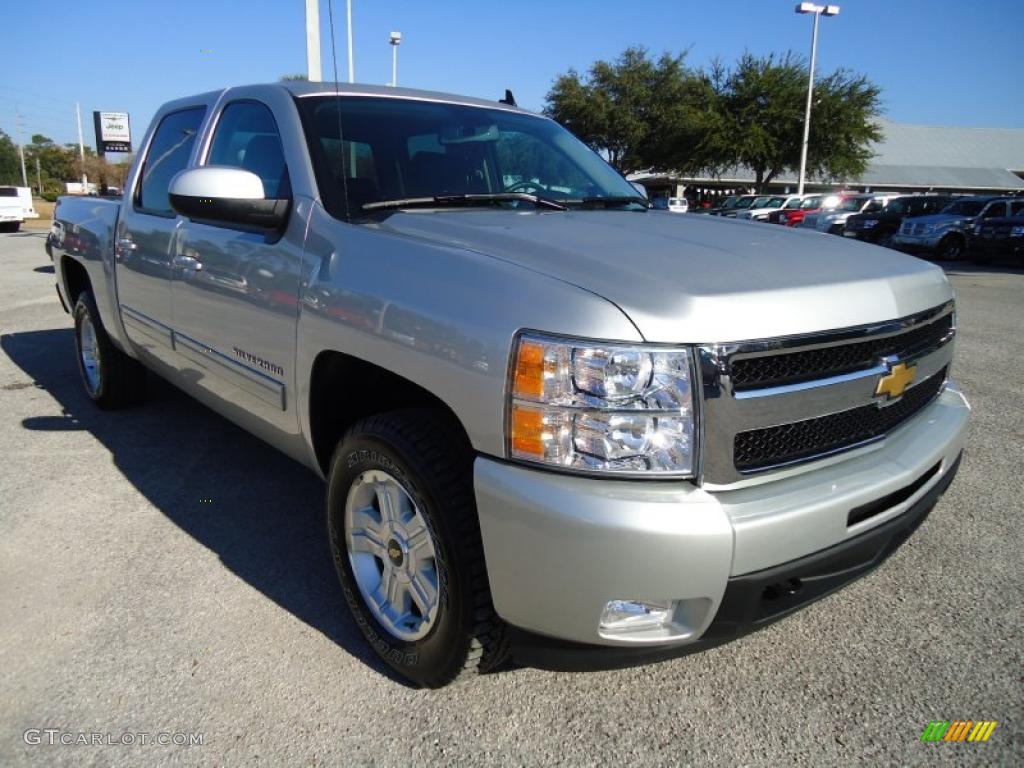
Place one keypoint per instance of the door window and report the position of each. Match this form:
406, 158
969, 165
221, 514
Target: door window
168, 153
994, 210
247, 137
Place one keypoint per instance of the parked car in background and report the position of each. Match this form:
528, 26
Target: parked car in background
725, 205
999, 239
742, 203
678, 204
879, 226
833, 220
15, 207
762, 207
794, 213
944, 234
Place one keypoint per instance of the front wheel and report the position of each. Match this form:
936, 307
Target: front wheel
950, 248
405, 540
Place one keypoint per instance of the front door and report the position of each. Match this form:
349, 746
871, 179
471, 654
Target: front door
234, 292
146, 232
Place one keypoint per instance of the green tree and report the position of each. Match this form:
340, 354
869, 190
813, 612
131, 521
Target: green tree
659, 115
56, 162
10, 164
843, 127
626, 108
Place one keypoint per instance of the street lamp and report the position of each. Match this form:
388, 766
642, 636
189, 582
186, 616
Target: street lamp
818, 11
396, 40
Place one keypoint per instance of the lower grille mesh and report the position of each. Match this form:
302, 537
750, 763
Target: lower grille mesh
771, 446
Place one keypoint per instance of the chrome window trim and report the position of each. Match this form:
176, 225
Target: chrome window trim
723, 412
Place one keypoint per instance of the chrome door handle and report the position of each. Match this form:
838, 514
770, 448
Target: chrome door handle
124, 245
187, 262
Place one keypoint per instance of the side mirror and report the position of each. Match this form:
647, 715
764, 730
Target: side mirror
223, 195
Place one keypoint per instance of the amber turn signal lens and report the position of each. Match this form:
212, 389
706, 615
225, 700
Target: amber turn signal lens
528, 431
529, 370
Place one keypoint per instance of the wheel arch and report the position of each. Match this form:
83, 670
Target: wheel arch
344, 389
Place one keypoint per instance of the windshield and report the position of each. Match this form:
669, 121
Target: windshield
898, 206
852, 204
731, 201
965, 208
810, 203
793, 204
399, 149
745, 202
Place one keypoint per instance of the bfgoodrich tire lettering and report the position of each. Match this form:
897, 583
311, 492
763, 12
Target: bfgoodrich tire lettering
421, 451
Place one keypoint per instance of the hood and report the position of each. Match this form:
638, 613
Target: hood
696, 279
941, 218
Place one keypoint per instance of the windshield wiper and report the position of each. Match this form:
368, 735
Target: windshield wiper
465, 200
610, 201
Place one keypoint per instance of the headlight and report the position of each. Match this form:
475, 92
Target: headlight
593, 407
1017, 232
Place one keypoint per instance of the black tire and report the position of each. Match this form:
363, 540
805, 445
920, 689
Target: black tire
434, 466
951, 248
121, 380
10, 226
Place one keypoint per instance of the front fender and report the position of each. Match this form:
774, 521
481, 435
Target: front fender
441, 317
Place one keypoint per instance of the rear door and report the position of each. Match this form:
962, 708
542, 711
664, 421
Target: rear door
235, 292
147, 229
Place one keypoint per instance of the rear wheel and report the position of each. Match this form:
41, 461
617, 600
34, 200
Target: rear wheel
111, 378
405, 540
951, 248
10, 226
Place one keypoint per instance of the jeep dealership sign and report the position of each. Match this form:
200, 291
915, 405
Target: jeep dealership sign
113, 132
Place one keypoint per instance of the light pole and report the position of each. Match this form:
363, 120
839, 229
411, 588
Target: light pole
313, 73
396, 40
818, 11
351, 54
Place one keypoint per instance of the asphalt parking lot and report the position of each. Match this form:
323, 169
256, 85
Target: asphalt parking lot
161, 571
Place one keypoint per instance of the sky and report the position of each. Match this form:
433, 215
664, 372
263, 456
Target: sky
938, 62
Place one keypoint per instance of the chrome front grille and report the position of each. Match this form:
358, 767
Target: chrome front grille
777, 402
795, 367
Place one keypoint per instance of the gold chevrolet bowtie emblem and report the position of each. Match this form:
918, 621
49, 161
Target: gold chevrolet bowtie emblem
895, 381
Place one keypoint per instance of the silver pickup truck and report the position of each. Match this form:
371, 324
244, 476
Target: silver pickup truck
556, 426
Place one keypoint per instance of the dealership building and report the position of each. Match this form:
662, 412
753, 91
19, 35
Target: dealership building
909, 158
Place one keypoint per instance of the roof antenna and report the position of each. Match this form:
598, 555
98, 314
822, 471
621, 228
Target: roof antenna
509, 99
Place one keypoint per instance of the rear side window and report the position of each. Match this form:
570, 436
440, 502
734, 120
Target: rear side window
1017, 208
8, 192
994, 210
168, 153
247, 137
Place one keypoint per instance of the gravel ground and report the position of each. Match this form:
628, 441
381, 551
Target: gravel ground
163, 572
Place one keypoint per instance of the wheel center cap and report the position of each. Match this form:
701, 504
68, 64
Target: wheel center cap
395, 554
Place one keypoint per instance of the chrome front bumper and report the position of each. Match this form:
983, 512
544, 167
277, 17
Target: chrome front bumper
559, 548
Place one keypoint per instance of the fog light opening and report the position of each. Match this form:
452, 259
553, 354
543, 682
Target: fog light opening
622, 616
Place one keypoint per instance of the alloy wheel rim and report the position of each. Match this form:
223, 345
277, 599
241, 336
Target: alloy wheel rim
391, 551
89, 351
